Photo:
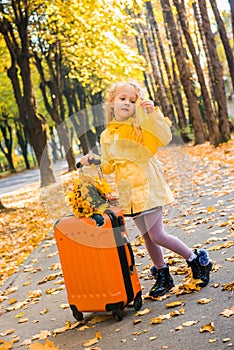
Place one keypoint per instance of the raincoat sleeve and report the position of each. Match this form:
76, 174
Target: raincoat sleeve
155, 124
107, 164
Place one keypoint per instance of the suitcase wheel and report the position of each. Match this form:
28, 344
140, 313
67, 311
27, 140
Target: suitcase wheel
137, 304
77, 314
117, 314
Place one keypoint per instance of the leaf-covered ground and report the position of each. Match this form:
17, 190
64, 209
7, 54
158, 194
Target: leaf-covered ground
202, 179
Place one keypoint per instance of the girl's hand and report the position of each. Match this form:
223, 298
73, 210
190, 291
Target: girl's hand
85, 159
148, 105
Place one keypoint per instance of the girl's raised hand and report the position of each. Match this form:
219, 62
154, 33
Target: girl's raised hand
148, 105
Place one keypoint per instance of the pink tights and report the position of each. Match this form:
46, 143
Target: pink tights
155, 237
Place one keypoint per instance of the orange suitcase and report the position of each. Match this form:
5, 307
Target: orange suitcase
98, 263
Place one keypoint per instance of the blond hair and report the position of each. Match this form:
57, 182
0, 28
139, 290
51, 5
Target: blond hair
113, 90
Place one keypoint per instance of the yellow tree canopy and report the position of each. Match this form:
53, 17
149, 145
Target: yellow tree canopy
95, 37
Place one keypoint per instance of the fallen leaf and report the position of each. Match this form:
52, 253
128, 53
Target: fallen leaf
209, 327
156, 320
43, 312
83, 328
7, 345
213, 340
225, 340
189, 323
152, 338
21, 314
91, 342
211, 209
175, 303
228, 286
204, 301
42, 335
227, 312
49, 345
9, 331
98, 335
98, 318
68, 325
23, 320
142, 312
34, 293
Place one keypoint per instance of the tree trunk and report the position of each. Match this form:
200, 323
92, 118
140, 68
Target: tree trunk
98, 120
177, 85
164, 102
212, 87
218, 74
82, 115
185, 74
214, 133
149, 85
35, 124
225, 41
23, 143
231, 2
174, 93
56, 110
2, 205
6, 130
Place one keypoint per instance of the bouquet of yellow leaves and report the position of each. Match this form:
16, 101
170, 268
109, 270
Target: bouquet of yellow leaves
88, 195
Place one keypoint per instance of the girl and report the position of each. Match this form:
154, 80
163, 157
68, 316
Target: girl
135, 130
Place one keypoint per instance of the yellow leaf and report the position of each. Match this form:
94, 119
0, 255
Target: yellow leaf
91, 342
23, 320
142, 312
137, 321
152, 338
98, 335
97, 319
228, 286
156, 320
21, 314
189, 323
35, 293
49, 345
225, 340
227, 312
9, 331
209, 327
7, 346
67, 326
41, 336
83, 328
211, 209
27, 283
213, 340
43, 312
136, 333
204, 301
175, 303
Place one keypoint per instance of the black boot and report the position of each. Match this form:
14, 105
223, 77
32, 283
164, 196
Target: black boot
201, 266
163, 284
154, 272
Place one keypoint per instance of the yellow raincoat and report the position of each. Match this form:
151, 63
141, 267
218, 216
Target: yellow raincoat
130, 152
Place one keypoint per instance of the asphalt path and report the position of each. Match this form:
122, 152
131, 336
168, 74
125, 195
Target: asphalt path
14, 182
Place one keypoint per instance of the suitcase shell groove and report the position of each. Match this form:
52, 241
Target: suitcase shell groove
98, 263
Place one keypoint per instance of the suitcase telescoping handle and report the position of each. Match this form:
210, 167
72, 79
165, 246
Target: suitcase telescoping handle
131, 267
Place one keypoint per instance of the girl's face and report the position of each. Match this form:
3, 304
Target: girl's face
124, 102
